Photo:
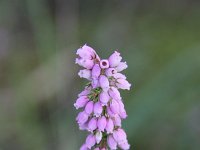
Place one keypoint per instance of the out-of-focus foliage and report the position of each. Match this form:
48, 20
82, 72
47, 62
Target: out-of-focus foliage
160, 40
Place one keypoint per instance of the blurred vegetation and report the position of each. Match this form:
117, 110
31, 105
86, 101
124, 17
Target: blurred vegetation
160, 40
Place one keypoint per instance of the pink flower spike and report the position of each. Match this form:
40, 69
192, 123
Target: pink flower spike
90, 141
101, 124
114, 59
103, 82
104, 63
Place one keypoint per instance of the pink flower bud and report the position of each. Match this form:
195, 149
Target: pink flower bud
109, 112
84, 147
92, 125
83, 126
89, 107
86, 52
81, 102
114, 59
85, 92
85, 73
111, 142
114, 93
104, 64
82, 117
114, 106
96, 71
122, 111
98, 136
101, 124
98, 109
119, 135
119, 76
110, 72
121, 66
117, 121
123, 84
95, 83
104, 83
90, 141
109, 126
124, 145
104, 98
86, 63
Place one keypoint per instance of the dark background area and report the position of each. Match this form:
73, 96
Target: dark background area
160, 40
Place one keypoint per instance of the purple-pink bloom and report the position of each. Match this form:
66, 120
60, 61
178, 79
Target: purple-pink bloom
104, 63
81, 102
101, 124
96, 71
114, 93
104, 98
85, 73
82, 117
114, 106
98, 109
111, 142
89, 107
110, 72
109, 126
114, 59
84, 147
92, 124
121, 66
90, 141
101, 101
103, 82
123, 84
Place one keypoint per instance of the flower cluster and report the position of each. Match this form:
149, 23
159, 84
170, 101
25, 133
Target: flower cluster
102, 105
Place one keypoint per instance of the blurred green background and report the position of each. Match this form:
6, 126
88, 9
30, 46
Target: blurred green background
160, 40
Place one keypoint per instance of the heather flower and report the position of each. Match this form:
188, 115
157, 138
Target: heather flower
89, 107
104, 82
104, 98
103, 108
101, 124
114, 59
81, 102
121, 66
85, 73
104, 63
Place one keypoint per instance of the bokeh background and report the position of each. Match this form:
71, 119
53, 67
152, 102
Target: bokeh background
160, 40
